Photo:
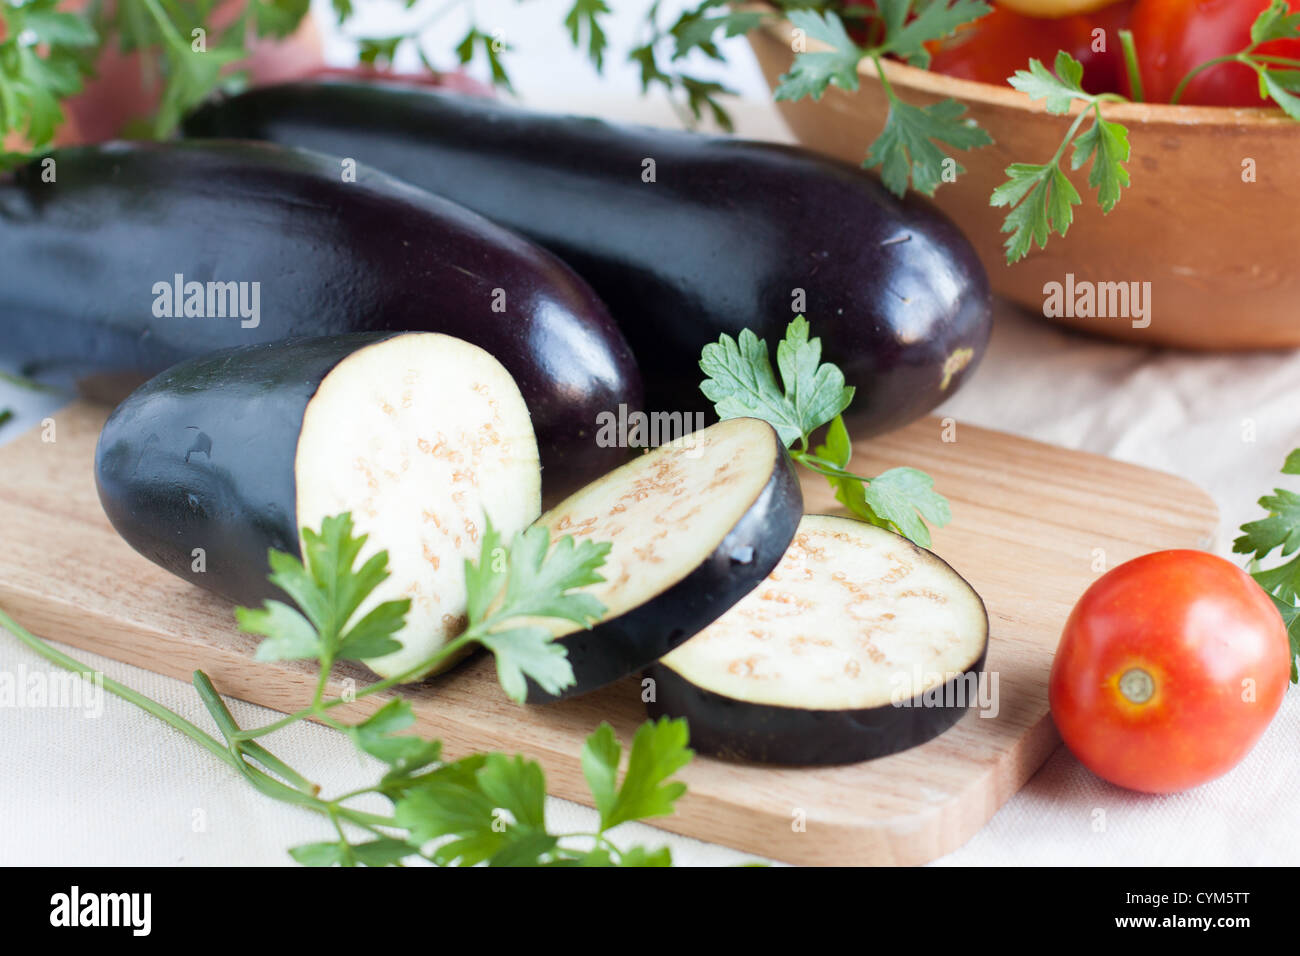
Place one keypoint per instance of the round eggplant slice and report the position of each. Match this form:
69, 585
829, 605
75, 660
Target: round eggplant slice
695, 525
210, 464
859, 644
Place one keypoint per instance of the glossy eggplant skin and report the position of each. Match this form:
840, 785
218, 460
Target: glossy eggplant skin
80, 258
202, 456
615, 648
729, 234
734, 729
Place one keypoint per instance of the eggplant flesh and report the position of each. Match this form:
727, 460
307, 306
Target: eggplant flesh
694, 525
858, 645
136, 257
685, 237
209, 465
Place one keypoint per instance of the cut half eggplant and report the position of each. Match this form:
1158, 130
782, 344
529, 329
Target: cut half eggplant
210, 464
859, 644
695, 525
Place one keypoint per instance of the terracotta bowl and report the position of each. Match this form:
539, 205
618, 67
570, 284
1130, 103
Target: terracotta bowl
1222, 255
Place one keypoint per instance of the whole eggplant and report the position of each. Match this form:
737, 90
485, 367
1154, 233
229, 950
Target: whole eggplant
684, 236
101, 248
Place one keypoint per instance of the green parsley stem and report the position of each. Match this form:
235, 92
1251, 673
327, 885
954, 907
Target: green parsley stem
209, 743
1074, 129
149, 706
165, 26
1181, 88
303, 794
322, 678
1276, 60
23, 381
318, 708
823, 467
884, 80
1131, 65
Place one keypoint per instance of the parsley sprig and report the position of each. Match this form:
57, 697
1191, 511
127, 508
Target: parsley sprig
1276, 22
1040, 196
484, 808
661, 54
1279, 532
812, 394
44, 58
909, 148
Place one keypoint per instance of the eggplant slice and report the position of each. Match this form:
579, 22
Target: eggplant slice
695, 525
859, 644
234, 452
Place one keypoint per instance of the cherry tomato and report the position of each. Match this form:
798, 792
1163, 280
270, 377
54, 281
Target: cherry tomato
1173, 37
992, 48
1170, 668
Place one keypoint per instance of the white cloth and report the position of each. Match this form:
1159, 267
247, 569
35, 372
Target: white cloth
122, 789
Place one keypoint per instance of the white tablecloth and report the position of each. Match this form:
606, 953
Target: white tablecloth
119, 788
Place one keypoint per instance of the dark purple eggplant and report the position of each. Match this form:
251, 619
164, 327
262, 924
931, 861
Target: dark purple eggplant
694, 525
209, 465
684, 236
271, 243
859, 644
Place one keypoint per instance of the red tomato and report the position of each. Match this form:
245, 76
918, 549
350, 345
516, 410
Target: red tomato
992, 48
1173, 37
1169, 670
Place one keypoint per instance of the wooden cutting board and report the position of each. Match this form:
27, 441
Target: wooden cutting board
1033, 524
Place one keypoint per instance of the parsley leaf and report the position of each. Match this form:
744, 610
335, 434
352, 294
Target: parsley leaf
909, 147
934, 20
507, 590
1108, 143
1278, 90
906, 147
813, 72
1281, 529
1040, 197
587, 14
692, 31
1048, 205
321, 854
695, 30
490, 808
1276, 22
45, 55
813, 389
897, 499
531, 579
812, 393
378, 736
523, 652
1280, 532
492, 48
328, 591
902, 497
741, 383
659, 750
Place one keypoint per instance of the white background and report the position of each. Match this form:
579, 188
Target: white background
121, 789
